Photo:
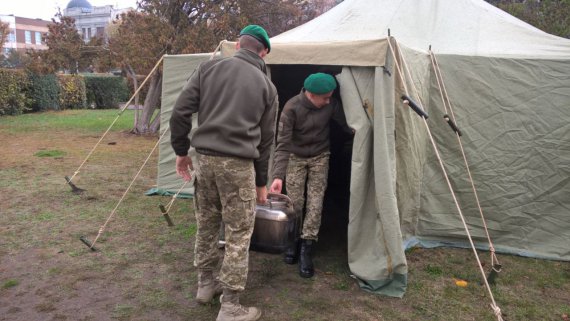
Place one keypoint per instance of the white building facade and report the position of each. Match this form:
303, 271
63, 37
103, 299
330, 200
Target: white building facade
92, 21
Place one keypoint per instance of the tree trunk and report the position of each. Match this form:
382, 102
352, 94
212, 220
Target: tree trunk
151, 102
155, 125
131, 73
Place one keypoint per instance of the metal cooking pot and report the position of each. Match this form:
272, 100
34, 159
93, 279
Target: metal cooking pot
276, 225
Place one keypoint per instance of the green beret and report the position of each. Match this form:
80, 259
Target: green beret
320, 83
258, 33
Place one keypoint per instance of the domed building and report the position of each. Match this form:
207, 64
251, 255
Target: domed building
83, 4
91, 21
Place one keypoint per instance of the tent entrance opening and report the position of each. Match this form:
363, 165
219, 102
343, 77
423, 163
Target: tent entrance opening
333, 232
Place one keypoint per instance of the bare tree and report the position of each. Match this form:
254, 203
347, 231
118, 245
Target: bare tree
191, 26
4, 32
552, 16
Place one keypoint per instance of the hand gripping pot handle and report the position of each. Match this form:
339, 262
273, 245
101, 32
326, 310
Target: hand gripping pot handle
276, 224
278, 200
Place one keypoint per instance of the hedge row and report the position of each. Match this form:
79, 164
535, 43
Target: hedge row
21, 92
106, 92
13, 86
44, 92
72, 92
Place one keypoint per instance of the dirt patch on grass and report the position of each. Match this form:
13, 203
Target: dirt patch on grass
50, 289
144, 270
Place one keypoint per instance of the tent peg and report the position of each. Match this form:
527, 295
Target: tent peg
408, 101
494, 273
74, 189
89, 244
165, 214
452, 124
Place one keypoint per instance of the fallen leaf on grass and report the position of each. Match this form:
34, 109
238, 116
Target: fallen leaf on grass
460, 283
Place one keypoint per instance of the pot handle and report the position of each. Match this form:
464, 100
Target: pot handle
277, 196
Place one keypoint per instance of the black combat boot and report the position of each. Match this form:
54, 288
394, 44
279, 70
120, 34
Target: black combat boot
292, 253
306, 269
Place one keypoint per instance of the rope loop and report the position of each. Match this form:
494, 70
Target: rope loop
497, 270
497, 312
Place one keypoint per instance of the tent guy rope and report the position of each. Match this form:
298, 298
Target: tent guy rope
102, 229
166, 210
495, 264
424, 117
175, 196
70, 179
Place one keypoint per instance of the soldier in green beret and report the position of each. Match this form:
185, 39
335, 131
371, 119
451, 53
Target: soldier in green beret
302, 156
236, 104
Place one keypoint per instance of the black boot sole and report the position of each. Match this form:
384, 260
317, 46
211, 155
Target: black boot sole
306, 275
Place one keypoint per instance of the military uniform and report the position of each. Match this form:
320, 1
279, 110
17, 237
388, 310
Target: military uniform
302, 154
236, 120
314, 171
225, 192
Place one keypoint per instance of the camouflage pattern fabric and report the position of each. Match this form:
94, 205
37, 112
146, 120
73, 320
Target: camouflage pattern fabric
224, 191
314, 172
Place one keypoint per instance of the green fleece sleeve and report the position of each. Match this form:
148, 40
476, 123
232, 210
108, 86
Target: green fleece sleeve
284, 138
187, 104
267, 126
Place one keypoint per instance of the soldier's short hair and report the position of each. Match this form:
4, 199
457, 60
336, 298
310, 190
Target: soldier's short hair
249, 42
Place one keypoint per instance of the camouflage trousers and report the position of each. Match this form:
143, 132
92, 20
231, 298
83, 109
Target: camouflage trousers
312, 171
224, 191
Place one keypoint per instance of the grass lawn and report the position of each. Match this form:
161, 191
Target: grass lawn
143, 269
96, 121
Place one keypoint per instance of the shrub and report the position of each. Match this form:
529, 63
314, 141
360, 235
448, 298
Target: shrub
72, 93
13, 86
106, 91
44, 92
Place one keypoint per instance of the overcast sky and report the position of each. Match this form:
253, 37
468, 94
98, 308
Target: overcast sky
46, 9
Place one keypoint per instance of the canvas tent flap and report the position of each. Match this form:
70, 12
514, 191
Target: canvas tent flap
375, 252
176, 71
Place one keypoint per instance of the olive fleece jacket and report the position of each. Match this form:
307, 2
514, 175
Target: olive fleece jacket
304, 130
236, 104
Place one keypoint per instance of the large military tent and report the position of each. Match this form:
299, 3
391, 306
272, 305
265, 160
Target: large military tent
509, 84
